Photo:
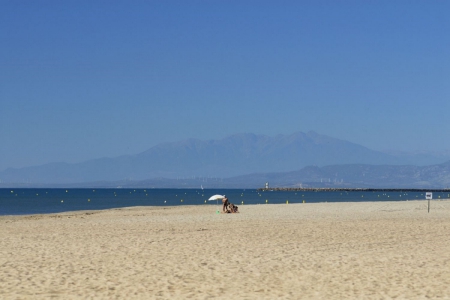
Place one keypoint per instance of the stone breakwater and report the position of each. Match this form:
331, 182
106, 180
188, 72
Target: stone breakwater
286, 189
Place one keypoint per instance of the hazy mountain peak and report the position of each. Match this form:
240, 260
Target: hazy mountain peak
237, 154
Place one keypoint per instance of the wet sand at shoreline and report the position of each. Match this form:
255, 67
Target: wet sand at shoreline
321, 250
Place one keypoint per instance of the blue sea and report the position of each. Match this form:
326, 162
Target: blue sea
43, 201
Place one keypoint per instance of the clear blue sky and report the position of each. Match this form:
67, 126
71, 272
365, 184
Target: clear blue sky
89, 79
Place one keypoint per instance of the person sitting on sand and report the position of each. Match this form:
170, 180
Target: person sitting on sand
228, 207
232, 208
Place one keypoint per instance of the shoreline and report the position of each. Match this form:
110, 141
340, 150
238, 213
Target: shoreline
213, 205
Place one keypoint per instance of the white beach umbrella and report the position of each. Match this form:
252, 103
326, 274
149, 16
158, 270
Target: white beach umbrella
216, 197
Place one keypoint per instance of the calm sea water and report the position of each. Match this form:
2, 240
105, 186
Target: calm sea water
39, 201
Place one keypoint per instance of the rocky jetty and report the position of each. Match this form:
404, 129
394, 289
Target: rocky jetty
278, 189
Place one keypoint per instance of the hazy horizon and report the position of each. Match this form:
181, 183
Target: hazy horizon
387, 151
83, 80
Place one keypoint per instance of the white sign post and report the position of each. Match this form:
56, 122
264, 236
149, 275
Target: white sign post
428, 196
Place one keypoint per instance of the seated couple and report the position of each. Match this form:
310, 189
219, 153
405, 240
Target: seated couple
228, 207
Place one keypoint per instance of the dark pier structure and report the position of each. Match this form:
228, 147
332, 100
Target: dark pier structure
281, 189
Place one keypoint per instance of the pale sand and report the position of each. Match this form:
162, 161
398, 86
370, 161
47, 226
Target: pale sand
327, 250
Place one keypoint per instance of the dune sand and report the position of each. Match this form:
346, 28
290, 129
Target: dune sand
325, 250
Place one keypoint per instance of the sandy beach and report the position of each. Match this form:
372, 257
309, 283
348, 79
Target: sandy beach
374, 250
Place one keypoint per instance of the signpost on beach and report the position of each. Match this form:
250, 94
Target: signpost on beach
428, 196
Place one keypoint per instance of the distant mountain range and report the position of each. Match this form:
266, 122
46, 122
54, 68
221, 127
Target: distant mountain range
336, 176
268, 158
355, 176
